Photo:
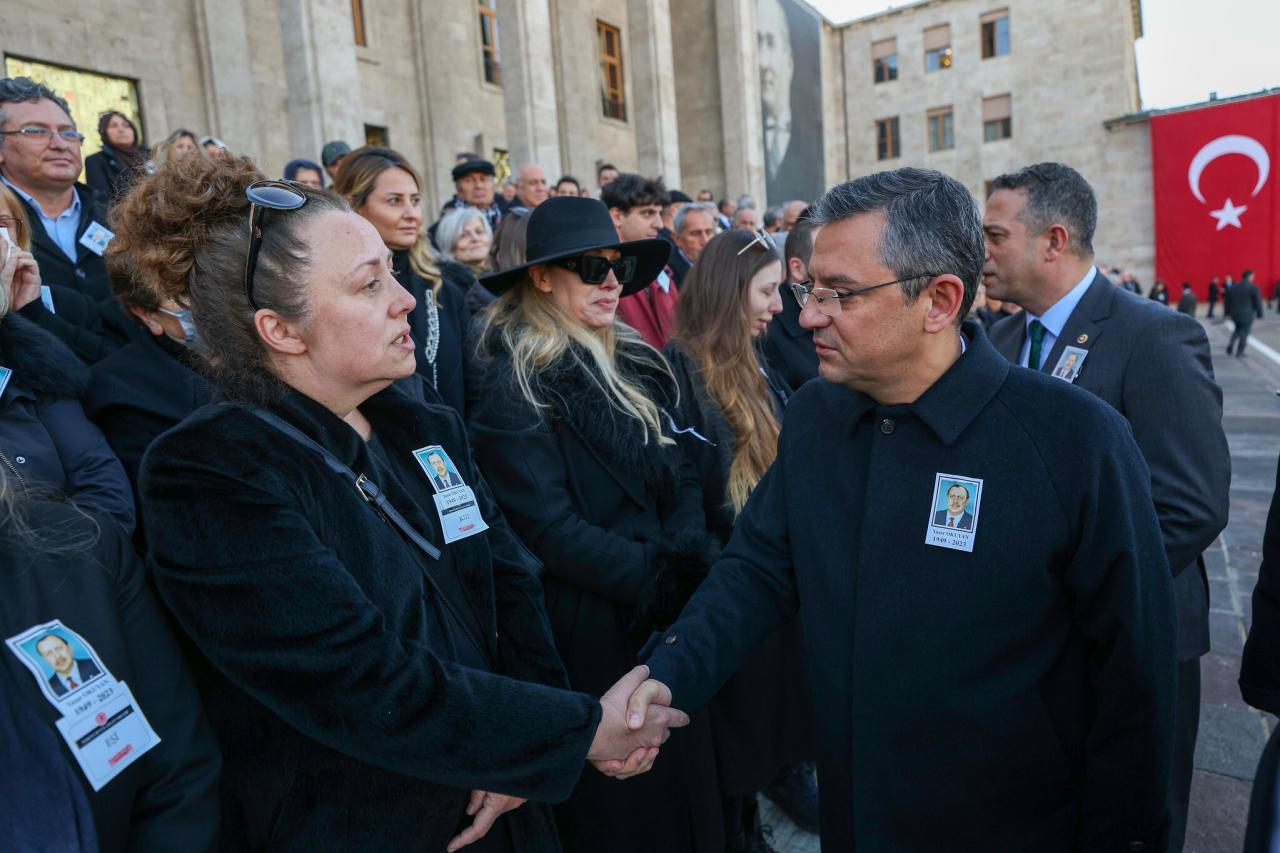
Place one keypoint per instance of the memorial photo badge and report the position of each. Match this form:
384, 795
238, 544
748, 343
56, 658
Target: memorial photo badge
440, 469
1069, 364
953, 515
456, 505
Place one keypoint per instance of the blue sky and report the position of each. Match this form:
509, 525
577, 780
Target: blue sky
1189, 48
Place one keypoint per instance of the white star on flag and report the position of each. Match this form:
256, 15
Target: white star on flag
1229, 215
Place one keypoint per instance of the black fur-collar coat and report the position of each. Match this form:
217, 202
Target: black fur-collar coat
343, 728
618, 524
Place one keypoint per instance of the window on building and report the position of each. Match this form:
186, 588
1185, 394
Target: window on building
374, 135
489, 41
88, 94
995, 34
941, 129
357, 20
884, 60
612, 96
997, 118
937, 48
888, 143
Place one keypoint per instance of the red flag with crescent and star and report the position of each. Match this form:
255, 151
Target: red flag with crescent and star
1217, 194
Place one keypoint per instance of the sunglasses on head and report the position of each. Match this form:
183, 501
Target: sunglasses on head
264, 196
593, 269
763, 239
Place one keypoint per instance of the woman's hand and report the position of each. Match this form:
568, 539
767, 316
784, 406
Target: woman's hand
20, 277
487, 808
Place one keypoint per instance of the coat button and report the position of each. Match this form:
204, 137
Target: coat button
79, 273
887, 426
671, 640
21, 460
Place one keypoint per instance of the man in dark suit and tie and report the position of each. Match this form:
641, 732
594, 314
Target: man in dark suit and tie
1150, 364
69, 672
956, 515
443, 478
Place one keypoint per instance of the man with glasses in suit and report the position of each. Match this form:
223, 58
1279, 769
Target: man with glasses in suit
1151, 365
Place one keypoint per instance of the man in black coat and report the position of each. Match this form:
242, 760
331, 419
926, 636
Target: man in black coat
1009, 687
1151, 365
40, 161
787, 344
1187, 304
1214, 292
1260, 666
1243, 303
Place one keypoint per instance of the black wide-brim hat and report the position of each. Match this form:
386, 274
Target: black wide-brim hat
568, 226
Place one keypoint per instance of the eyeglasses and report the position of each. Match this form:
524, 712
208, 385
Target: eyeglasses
264, 196
764, 239
45, 135
829, 300
593, 269
14, 224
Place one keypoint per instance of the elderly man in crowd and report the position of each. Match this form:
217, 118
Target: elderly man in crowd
693, 227
746, 218
473, 187
1007, 684
40, 161
531, 186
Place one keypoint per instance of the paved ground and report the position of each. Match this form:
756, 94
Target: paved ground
1232, 735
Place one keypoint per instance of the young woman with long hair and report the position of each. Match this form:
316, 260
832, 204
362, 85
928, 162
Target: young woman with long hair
728, 417
382, 186
570, 430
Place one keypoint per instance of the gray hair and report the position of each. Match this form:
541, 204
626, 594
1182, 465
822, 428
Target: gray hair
1056, 195
745, 200
677, 221
932, 226
24, 90
451, 225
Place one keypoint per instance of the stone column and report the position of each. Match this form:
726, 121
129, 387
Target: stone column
653, 70
529, 84
320, 68
740, 98
230, 95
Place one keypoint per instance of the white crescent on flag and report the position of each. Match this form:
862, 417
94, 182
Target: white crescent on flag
1232, 144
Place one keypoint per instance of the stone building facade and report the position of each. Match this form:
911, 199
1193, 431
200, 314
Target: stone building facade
276, 79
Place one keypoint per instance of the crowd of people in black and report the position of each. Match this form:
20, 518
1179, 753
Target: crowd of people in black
328, 528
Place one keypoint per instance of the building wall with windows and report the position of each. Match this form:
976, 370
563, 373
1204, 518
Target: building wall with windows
1039, 84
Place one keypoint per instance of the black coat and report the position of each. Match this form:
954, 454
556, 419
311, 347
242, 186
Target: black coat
788, 346
1019, 697
1263, 814
108, 176
1153, 366
447, 371
1187, 304
761, 718
46, 442
327, 670
1243, 303
619, 525
167, 800
91, 329
1260, 666
88, 273
138, 392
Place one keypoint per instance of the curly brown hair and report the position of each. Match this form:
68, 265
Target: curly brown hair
182, 234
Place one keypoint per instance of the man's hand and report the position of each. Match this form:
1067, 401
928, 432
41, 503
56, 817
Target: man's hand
487, 808
622, 749
20, 277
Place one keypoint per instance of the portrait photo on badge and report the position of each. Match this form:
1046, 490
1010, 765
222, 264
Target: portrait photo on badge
955, 503
439, 468
59, 658
1069, 364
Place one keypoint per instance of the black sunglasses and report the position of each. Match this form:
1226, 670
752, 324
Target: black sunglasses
593, 269
264, 196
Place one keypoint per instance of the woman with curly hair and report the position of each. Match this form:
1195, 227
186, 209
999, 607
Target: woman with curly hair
378, 671
384, 188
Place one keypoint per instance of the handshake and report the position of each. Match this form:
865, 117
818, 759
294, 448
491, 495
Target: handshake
637, 719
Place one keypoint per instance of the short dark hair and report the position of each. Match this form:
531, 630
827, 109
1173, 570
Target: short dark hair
602, 167
24, 90
771, 216
800, 239
1056, 195
722, 202
1247, 274
568, 179
932, 226
630, 190
962, 487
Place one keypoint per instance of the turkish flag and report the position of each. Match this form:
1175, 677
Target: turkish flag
1217, 194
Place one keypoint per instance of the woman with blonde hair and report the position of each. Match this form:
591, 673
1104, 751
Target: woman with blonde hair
729, 414
569, 427
385, 189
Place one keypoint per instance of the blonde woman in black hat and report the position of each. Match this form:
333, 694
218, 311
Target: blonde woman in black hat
571, 432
